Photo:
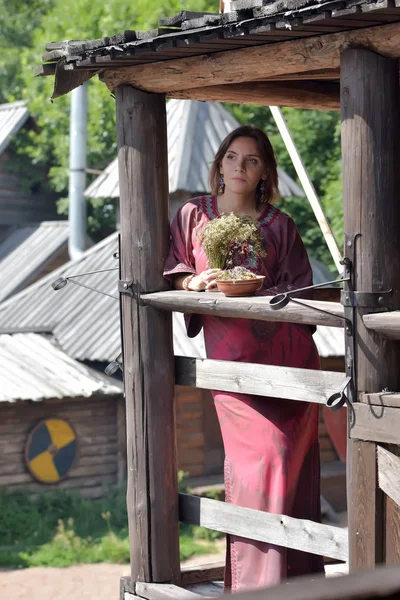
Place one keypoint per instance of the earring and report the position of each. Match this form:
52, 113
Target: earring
221, 186
263, 199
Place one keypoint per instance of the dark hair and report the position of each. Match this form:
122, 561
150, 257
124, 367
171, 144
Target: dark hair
267, 154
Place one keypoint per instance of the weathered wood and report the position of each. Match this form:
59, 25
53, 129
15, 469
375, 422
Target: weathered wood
389, 473
122, 448
369, 109
207, 572
262, 380
382, 583
392, 534
386, 324
209, 589
257, 62
147, 333
376, 423
381, 399
306, 94
281, 530
256, 307
162, 591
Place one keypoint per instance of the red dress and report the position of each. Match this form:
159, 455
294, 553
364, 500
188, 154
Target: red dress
271, 445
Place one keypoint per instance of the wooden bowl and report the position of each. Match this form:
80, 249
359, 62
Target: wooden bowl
240, 287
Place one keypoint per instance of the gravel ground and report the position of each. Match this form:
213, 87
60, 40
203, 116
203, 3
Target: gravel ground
86, 582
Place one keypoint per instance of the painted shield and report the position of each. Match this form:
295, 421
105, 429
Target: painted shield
50, 450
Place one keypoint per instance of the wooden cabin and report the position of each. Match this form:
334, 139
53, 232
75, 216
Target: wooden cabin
325, 56
20, 201
46, 395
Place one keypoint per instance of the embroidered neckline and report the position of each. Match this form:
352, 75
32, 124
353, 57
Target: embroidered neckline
210, 208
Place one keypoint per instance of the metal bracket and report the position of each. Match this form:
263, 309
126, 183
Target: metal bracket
126, 287
349, 295
367, 299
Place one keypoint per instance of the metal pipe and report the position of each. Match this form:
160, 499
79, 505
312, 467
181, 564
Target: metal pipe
77, 171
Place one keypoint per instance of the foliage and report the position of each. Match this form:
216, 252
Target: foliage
317, 137
65, 20
61, 528
228, 234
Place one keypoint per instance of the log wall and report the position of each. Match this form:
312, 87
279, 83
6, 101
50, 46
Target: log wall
95, 423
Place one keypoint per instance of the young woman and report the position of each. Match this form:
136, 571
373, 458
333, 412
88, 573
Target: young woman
271, 445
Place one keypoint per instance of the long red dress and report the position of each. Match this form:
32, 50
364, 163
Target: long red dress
271, 445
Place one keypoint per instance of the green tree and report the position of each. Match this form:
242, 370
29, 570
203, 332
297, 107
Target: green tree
67, 19
317, 136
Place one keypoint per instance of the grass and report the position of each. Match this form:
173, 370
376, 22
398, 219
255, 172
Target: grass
59, 529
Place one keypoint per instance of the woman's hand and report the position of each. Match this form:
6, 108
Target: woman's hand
204, 281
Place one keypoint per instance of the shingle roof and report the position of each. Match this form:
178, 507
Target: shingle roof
195, 131
12, 117
33, 368
252, 22
26, 250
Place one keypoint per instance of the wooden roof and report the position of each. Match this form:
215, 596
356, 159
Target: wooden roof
187, 35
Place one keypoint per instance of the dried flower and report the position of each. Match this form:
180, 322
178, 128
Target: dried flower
236, 274
228, 236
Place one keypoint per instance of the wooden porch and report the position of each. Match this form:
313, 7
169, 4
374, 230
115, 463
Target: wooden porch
323, 56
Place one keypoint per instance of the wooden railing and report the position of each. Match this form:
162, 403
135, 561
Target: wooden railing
147, 335
382, 583
279, 382
281, 530
310, 312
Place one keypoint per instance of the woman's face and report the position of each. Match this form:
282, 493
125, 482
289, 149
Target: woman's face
242, 166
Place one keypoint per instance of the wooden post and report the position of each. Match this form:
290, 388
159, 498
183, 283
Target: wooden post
370, 152
152, 495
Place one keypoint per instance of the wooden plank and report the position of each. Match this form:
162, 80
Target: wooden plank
389, 480
201, 573
262, 380
122, 447
248, 523
162, 591
382, 583
370, 130
152, 495
375, 423
389, 473
258, 62
256, 307
209, 589
386, 324
381, 399
306, 94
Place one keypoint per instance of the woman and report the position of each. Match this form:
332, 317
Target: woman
271, 445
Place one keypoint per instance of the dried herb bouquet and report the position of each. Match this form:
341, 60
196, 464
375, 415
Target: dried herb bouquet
226, 238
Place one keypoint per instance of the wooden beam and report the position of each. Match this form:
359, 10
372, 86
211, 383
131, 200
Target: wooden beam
198, 574
257, 62
280, 530
152, 495
386, 324
382, 583
315, 74
256, 307
369, 109
307, 94
381, 399
375, 423
262, 380
162, 591
389, 473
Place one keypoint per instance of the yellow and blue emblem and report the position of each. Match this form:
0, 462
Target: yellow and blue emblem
50, 450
